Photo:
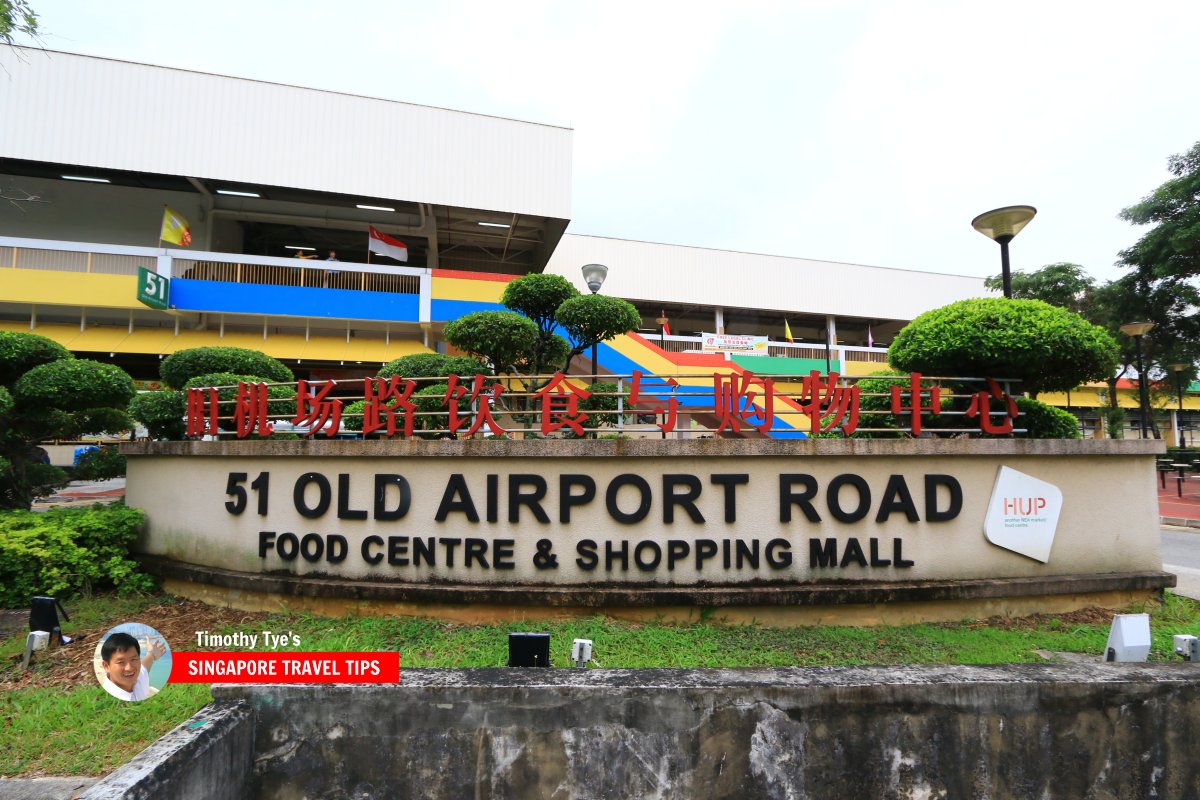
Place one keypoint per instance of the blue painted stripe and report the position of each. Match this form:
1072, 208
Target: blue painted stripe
292, 301
446, 310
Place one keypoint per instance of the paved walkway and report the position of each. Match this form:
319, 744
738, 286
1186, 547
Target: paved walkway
82, 493
1175, 510
44, 788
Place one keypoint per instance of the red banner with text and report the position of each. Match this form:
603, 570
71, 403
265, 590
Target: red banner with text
285, 667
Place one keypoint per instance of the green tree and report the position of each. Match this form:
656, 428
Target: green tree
1065, 285
1045, 347
46, 392
17, 18
1170, 249
1170, 304
163, 412
1164, 272
549, 324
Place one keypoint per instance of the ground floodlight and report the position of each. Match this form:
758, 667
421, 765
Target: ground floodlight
1129, 638
1186, 646
581, 652
529, 650
36, 640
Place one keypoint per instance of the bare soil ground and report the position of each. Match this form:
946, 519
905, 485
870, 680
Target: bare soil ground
176, 620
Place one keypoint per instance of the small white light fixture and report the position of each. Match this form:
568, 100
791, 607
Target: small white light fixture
581, 652
495, 225
85, 178
1129, 638
374, 208
1186, 646
235, 193
297, 247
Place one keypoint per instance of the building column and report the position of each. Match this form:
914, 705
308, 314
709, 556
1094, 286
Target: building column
831, 333
719, 319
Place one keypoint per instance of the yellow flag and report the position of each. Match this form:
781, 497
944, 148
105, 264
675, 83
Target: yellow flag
787, 331
175, 228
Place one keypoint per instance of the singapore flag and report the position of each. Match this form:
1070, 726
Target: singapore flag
385, 245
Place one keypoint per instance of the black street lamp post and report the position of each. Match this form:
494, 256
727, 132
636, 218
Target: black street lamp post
1137, 330
1178, 370
1001, 225
593, 276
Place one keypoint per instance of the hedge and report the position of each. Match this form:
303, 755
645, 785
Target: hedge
65, 551
1045, 347
180, 367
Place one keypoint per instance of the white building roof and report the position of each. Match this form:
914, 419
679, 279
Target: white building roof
728, 279
65, 108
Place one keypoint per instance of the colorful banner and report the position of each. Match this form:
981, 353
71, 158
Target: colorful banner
727, 343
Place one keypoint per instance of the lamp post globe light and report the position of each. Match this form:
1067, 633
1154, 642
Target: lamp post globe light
593, 276
1137, 330
1001, 225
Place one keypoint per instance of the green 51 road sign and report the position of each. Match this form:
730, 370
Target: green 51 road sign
153, 289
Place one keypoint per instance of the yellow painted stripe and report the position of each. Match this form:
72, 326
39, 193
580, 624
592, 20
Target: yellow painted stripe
163, 341
466, 289
44, 287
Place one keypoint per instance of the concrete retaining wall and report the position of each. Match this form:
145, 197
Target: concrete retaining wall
953, 528
209, 757
1018, 731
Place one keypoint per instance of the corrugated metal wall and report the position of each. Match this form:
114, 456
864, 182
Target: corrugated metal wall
677, 274
72, 109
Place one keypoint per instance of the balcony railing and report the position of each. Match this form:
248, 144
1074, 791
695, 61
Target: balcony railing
683, 344
321, 274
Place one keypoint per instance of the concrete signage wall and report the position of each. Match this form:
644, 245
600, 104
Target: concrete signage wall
651, 515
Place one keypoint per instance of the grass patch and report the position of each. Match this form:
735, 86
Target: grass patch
55, 719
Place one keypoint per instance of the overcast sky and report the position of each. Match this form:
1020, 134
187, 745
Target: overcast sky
863, 132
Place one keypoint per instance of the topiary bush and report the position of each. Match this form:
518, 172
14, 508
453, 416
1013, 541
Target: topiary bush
1042, 421
47, 393
68, 550
21, 352
1045, 347
56, 385
433, 365
161, 412
100, 464
502, 338
180, 367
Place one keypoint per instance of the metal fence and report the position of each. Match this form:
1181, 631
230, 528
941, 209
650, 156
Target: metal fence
698, 404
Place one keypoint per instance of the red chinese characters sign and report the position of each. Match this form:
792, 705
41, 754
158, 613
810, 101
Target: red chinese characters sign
739, 400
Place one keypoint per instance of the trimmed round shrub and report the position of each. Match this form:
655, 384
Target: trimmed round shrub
538, 296
180, 367
1042, 421
21, 352
432, 365
100, 464
503, 338
1045, 347
597, 317
74, 384
161, 412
